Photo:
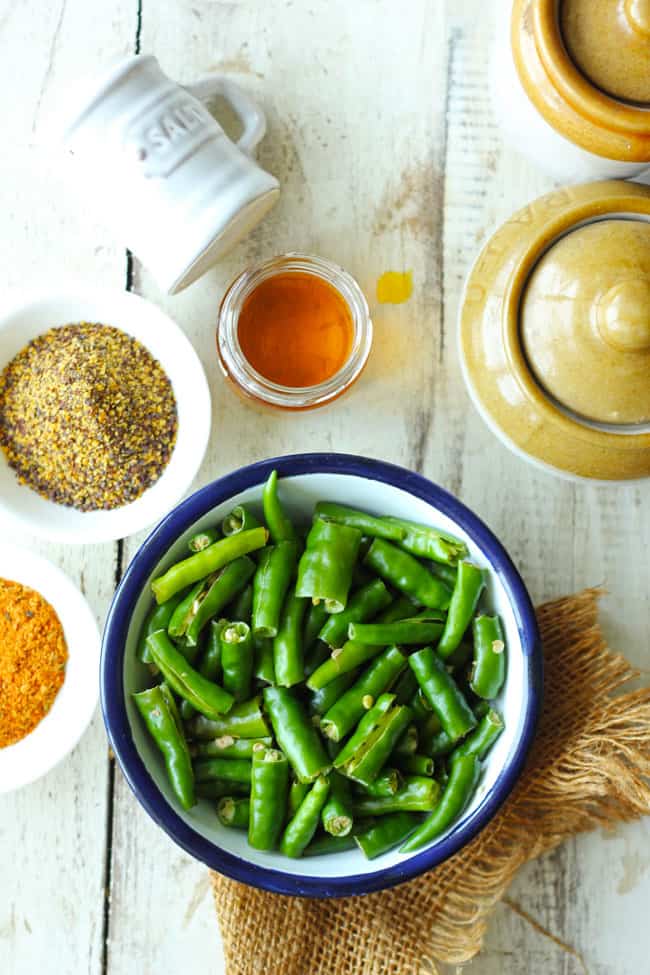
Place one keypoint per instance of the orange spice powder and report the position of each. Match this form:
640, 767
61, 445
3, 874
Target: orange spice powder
33, 655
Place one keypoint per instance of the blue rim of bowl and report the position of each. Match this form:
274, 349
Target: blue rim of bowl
135, 578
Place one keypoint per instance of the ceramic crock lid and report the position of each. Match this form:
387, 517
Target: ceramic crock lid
585, 321
609, 40
585, 65
555, 336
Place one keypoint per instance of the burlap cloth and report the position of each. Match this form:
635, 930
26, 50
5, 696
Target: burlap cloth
589, 767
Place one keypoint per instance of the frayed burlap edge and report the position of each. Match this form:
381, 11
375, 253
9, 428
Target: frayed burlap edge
589, 768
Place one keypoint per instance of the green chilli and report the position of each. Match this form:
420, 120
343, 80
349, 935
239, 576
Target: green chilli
234, 812
407, 574
269, 788
489, 666
463, 776
163, 723
207, 697
202, 564
326, 566
301, 828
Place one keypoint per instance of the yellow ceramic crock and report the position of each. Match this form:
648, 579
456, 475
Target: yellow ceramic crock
585, 65
555, 331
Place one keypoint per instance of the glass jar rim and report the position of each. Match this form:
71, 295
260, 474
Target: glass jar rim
240, 370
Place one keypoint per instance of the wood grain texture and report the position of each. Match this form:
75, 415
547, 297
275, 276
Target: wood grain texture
161, 914
381, 133
340, 199
53, 833
562, 537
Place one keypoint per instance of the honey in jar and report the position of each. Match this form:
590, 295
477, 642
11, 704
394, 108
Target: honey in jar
296, 329
294, 332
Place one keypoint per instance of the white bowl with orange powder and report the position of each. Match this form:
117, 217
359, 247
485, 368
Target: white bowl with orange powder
36, 648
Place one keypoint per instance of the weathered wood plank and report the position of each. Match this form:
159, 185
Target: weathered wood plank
356, 144
161, 907
388, 159
428, 167
52, 834
562, 536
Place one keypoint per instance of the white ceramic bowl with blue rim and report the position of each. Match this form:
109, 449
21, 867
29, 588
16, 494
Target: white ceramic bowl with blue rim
307, 478
20, 506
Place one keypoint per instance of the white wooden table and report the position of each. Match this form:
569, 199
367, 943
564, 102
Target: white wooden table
381, 134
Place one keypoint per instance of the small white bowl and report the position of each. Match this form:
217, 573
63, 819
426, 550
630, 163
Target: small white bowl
74, 705
20, 505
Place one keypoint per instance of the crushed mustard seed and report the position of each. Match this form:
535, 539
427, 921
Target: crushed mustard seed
88, 417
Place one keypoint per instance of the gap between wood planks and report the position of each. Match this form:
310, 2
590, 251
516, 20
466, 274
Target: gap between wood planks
423, 428
119, 569
452, 46
110, 786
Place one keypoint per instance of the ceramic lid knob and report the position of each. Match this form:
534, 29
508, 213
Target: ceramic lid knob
637, 13
610, 44
585, 321
624, 316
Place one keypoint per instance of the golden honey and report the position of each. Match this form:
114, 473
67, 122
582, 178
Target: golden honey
294, 332
295, 329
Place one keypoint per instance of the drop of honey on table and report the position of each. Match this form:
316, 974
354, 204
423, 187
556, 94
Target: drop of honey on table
296, 329
394, 287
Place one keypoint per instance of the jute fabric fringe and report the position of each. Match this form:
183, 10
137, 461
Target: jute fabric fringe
589, 768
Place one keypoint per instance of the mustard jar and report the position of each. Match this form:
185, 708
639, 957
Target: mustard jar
570, 84
555, 332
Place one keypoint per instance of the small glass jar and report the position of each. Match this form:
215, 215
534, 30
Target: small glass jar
251, 383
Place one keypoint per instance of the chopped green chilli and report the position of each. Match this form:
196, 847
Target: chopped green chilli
234, 811
201, 540
326, 567
322, 687
269, 788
